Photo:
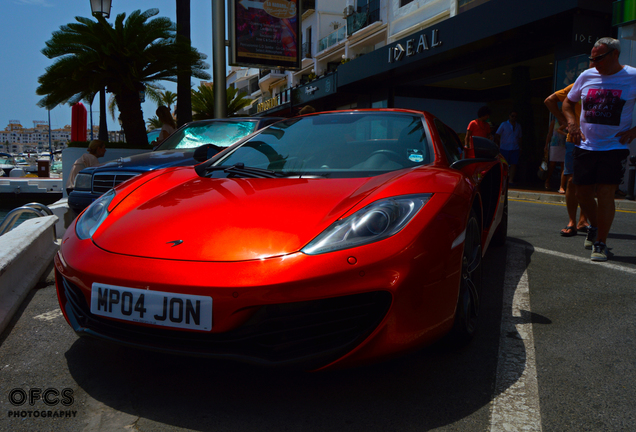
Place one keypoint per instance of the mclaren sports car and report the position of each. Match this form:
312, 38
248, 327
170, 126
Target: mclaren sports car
326, 240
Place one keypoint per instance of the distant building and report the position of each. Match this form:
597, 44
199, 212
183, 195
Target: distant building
16, 138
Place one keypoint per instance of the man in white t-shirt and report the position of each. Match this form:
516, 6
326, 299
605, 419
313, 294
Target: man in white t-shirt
607, 92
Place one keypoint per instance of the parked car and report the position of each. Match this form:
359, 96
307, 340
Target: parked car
176, 150
153, 135
325, 240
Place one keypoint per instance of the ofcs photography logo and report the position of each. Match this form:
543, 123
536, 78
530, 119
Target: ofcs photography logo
50, 397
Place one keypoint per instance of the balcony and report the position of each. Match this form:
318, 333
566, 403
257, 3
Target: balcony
365, 16
267, 77
332, 38
308, 5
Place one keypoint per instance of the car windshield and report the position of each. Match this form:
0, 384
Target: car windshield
347, 144
220, 133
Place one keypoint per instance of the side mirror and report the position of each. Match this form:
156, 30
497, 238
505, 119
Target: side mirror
205, 152
484, 148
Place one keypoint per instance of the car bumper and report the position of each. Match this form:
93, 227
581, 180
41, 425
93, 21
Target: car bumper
315, 311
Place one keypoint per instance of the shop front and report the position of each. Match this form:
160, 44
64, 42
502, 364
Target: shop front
506, 54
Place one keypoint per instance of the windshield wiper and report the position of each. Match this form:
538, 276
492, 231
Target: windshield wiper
242, 170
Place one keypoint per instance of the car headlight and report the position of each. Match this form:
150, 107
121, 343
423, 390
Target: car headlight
375, 222
83, 181
94, 215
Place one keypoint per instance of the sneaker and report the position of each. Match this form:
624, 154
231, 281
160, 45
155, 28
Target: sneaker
599, 252
591, 237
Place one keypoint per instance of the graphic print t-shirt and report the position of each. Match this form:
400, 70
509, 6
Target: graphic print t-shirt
607, 103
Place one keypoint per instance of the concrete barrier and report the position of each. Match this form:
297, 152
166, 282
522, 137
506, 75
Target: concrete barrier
26, 255
64, 214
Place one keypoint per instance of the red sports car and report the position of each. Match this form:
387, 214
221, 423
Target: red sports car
325, 240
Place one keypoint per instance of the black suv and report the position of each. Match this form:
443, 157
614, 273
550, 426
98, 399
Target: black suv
177, 150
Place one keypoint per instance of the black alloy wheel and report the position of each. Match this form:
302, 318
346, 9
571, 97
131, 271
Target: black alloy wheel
501, 233
467, 310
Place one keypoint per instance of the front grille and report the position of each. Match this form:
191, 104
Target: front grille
311, 333
103, 182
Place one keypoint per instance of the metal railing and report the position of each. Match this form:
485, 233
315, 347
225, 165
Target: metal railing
32, 208
332, 38
365, 16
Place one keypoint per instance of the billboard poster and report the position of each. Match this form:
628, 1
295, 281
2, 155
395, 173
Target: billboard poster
569, 69
264, 34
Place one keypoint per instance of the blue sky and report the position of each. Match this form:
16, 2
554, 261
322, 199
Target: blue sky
25, 26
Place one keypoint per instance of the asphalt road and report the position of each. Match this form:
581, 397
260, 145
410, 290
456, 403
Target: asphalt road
555, 352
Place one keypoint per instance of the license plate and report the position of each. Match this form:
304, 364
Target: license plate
152, 307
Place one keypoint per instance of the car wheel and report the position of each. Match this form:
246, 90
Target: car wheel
501, 234
467, 310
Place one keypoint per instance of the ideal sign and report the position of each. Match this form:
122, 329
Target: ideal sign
414, 46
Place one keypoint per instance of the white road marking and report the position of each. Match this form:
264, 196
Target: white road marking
515, 406
50, 315
516, 403
586, 260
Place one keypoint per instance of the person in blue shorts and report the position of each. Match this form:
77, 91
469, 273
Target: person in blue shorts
571, 203
508, 138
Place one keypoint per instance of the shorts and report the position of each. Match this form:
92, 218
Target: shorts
599, 167
511, 156
568, 164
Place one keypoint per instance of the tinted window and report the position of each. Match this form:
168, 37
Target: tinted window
451, 142
221, 134
338, 144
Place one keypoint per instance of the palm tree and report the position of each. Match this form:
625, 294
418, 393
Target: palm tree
203, 101
154, 93
168, 98
126, 58
184, 79
153, 123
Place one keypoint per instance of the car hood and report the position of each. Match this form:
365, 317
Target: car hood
180, 216
150, 161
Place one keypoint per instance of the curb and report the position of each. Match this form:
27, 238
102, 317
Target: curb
621, 204
26, 253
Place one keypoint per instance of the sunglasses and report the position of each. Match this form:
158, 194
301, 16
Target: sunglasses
600, 57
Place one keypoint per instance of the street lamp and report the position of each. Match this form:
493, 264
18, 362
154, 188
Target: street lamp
101, 7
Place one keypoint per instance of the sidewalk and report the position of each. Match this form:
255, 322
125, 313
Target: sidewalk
537, 193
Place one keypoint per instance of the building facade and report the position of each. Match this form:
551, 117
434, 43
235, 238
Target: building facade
448, 57
18, 139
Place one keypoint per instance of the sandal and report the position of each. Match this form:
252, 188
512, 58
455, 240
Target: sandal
584, 228
568, 231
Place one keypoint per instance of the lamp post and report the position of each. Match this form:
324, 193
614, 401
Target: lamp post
102, 7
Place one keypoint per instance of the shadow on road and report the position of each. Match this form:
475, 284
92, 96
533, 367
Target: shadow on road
427, 389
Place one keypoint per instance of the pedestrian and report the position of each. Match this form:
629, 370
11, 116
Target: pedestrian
168, 125
608, 92
508, 138
571, 202
555, 147
96, 149
478, 127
